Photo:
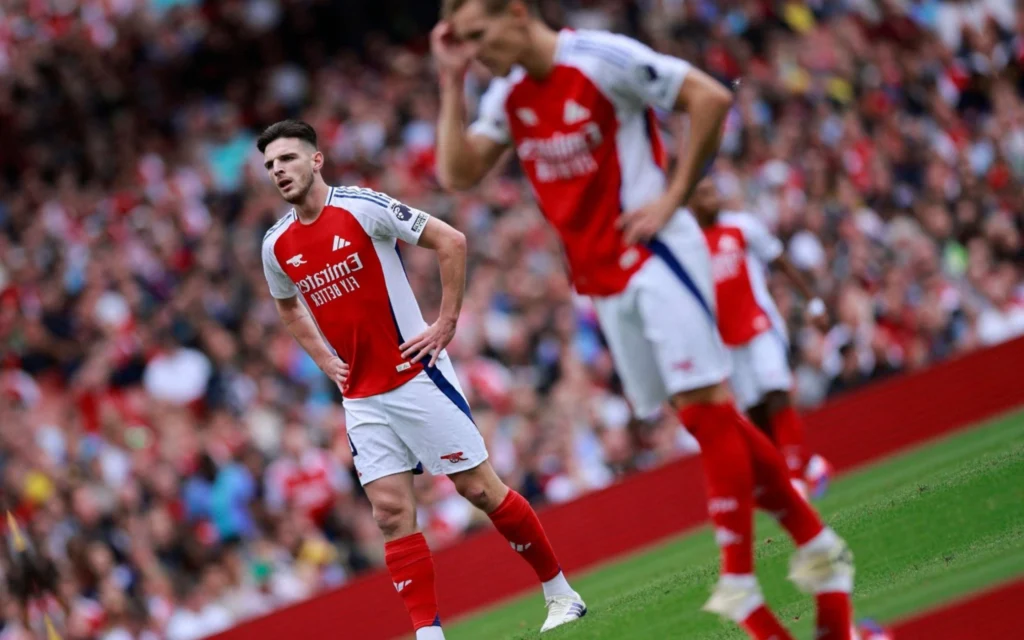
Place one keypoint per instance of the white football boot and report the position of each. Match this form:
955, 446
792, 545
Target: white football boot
823, 565
563, 610
735, 597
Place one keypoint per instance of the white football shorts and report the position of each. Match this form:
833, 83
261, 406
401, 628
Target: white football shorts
661, 329
425, 421
759, 367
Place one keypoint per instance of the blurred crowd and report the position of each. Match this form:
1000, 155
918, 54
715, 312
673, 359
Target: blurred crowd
185, 464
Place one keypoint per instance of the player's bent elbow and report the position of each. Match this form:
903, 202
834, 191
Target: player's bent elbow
702, 93
286, 305
716, 99
457, 242
719, 97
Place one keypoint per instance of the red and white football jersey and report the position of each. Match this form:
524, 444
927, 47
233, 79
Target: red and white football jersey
347, 267
587, 137
741, 249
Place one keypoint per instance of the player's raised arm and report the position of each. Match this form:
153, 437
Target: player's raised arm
295, 317
450, 245
390, 219
464, 156
656, 80
707, 102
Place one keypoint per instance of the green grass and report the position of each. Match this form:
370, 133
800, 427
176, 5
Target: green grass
927, 526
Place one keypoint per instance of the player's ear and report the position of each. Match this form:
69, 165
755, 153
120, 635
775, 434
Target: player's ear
318, 160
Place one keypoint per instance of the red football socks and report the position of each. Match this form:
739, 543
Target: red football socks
762, 625
835, 616
518, 522
788, 430
730, 482
776, 493
412, 572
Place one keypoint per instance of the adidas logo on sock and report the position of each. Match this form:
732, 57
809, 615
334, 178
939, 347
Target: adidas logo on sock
520, 547
401, 585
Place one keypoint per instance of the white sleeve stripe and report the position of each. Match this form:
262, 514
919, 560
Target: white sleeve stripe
612, 55
366, 198
363, 194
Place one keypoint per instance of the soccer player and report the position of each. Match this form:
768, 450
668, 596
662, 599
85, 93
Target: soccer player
578, 108
335, 272
741, 250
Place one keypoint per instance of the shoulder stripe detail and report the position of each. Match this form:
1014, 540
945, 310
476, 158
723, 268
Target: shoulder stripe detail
377, 201
366, 194
606, 52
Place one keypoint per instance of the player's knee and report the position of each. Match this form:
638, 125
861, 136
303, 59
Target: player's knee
481, 487
394, 516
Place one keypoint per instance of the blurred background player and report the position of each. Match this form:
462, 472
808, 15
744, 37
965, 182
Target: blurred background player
404, 406
741, 249
578, 107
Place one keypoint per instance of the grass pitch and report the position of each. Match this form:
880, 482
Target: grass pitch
926, 527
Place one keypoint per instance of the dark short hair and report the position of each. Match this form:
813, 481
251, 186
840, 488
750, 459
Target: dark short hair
286, 129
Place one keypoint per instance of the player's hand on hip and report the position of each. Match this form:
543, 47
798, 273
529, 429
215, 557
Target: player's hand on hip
431, 342
452, 56
644, 223
337, 370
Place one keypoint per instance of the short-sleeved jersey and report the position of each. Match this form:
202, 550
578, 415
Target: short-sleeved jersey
587, 137
347, 267
741, 249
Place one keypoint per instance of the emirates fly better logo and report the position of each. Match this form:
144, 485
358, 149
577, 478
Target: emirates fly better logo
332, 282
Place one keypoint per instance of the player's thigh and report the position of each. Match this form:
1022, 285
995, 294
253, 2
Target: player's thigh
433, 419
770, 362
743, 379
679, 322
377, 450
632, 353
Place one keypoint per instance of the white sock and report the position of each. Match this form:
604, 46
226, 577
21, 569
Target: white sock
739, 580
557, 586
429, 633
824, 540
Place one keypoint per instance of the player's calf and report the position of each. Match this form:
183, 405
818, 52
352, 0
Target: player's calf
411, 566
515, 519
787, 429
406, 553
708, 414
823, 564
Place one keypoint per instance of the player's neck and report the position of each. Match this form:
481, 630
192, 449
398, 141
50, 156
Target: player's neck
539, 58
310, 208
